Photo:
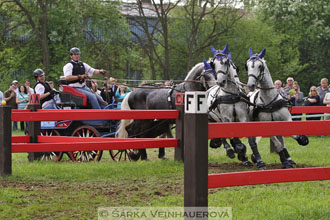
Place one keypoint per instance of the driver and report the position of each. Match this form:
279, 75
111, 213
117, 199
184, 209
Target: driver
74, 72
43, 89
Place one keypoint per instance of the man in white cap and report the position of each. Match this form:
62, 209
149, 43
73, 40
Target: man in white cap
16, 90
289, 86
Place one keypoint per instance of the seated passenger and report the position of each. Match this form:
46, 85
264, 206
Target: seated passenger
74, 72
44, 90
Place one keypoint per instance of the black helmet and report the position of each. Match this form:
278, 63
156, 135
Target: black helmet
74, 50
38, 72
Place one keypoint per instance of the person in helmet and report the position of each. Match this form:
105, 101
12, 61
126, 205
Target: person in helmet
44, 90
76, 72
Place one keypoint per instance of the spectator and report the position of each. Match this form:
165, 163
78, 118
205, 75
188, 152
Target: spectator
120, 94
280, 89
288, 87
296, 98
326, 101
323, 89
27, 85
16, 83
74, 72
109, 90
44, 90
10, 98
22, 100
168, 83
1, 96
313, 99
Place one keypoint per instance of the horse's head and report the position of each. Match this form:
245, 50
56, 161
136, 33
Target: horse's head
255, 68
208, 77
224, 67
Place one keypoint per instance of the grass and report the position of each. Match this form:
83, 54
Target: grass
67, 190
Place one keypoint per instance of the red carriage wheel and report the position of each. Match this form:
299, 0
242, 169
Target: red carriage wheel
50, 156
118, 155
86, 156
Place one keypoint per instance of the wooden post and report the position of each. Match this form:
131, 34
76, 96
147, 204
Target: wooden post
196, 151
34, 126
179, 129
5, 141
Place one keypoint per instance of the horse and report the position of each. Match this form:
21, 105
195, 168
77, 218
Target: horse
269, 105
148, 97
228, 103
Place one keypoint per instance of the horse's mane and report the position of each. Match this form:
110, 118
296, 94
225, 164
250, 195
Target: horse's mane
195, 71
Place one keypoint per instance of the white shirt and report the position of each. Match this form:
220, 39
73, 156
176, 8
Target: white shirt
40, 89
68, 68
1, 96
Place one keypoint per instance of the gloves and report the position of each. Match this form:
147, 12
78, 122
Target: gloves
52, 93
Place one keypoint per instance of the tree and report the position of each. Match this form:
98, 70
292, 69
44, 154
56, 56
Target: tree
305, 25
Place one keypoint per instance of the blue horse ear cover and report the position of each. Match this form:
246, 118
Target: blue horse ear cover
262, 54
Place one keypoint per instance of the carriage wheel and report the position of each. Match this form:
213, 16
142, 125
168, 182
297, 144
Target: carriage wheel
50, 156
86, 156
118, 155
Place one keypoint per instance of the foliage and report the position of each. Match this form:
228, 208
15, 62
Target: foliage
305, 25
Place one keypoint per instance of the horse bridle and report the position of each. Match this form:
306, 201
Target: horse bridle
203, 75
228, 63
261, 71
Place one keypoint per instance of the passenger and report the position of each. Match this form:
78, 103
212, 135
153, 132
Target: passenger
74, 72
44, 90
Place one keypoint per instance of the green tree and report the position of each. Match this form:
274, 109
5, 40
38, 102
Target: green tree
306, 27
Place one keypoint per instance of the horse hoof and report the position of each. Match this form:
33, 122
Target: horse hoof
133, 156
287, 165
292, 162
261, 165
215, 143
253, 158
303, 140
231, 153
247, 163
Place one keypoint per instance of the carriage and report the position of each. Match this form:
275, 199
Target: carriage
73, 99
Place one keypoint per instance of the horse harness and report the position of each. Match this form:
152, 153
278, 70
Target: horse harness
271, 107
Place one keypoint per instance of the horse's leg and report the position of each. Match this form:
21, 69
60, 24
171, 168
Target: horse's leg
240, 149
255, 153
229, 151
285, 157
301, 139
161, 151
281, 150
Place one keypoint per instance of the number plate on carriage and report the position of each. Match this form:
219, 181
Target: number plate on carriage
48, 124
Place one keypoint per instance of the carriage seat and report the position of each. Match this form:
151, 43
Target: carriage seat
69, 94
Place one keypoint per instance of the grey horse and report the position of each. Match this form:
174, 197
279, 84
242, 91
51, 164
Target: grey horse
269, 105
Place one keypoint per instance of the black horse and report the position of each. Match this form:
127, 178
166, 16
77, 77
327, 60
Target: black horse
150, 97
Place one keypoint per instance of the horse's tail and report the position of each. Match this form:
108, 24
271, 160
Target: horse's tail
121, 131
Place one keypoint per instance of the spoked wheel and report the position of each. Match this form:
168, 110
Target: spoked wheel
50, 156
118, 155
86, 156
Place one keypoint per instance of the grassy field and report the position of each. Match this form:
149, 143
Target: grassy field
67, 190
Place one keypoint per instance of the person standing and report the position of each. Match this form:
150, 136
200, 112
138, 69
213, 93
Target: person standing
326, 101
323, 89
279, 88
109, 91
313, 99
22, 99
297, 98
1, 96
288, 87
74, 72
10, 98
121, 94
44, 90
28, 88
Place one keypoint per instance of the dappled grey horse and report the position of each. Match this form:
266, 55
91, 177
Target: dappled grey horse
227, 102
269, 105
159, 98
